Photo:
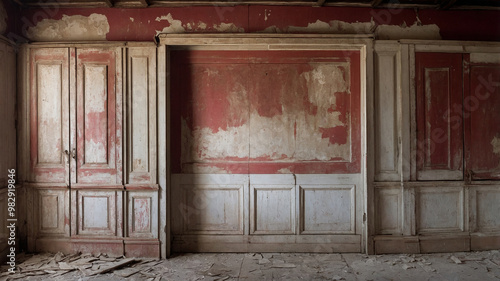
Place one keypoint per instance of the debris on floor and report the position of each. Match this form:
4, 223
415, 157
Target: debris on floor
258, 266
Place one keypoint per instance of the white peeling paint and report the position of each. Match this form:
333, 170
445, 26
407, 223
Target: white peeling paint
3, 19
323, 82
131, 19
93, 27
176, 26
495, 142
384, 32
274, 137
203, 169
284, 171
335, 26
395, 32
228, 27
310, 145
485, 58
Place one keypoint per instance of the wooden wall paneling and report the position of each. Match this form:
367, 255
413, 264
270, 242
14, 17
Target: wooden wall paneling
481, 114
440, 208
142, 212
98, 213
405, 111
164, 173
49, 115
439, 133
141, 115
388, 111
98, 116
52, 211
7, 111
389, 209
272, 204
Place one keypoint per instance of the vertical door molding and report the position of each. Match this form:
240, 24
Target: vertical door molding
141, 116
388, 133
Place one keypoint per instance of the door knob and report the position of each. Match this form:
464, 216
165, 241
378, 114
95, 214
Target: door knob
66, 152
73, 153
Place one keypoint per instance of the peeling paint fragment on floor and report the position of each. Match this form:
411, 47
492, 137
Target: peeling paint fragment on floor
70, 28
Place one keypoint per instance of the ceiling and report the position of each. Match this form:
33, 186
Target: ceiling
424, 4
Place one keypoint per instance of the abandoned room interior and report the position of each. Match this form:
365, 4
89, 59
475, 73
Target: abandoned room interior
150, 127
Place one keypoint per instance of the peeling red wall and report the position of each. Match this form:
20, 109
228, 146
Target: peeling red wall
266, 112
13, 16
453, 25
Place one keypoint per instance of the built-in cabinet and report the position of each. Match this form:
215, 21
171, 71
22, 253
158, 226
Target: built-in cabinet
91, 174
436, 187
116, 152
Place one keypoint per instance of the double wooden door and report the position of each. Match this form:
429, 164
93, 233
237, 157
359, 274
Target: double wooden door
458, 117
74, 125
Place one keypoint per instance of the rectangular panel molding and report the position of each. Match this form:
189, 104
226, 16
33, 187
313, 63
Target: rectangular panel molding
272, 209
327, 209
141, 115
142, 214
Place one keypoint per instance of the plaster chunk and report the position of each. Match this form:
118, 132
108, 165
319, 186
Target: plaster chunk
70, 28
334, 26
395, 32
176, 26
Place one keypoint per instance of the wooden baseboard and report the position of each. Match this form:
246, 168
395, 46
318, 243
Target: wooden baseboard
118, 247
276, 243
484, 242
438, 243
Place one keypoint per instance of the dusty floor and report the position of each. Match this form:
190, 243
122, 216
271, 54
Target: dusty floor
449, 266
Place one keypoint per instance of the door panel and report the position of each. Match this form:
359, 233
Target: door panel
247, 127
482, 115
439, 124
49, 115
96, 121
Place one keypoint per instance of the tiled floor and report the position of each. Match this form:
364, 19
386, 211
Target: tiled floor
266, 266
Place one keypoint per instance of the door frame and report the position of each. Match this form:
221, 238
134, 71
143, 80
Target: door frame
358, 42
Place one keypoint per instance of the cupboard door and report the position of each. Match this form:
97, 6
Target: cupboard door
97, 108
439, 121
49, 115
482, 115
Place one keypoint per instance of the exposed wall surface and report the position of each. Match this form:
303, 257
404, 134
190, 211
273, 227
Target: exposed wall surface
114, 24
7, 135
10, 14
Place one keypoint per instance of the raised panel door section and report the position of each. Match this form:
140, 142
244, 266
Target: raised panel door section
49, 114
439, 130
141, 115
482, 119
97, 109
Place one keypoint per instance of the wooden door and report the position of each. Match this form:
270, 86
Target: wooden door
482, 125
49, 115
439, 123
98, 140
